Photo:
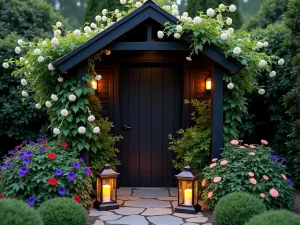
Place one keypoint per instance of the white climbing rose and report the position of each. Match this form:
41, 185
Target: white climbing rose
185, 14
175, 12
177, 36
98, 77
160, 34
231, 30
77, 32
21, 59
87, 29
58, 24
81, 130
281, 62
23, 82
261, 91
91, 118
24, 94
72, 98
38, 106
41, 59
123, 2
104, 18
17, 50
230, 86
20, 42
93, 25
210, 12
138, 4
260, 44
232, 8
60, 79
104, 12
228, 21
64, 112
5, 65
179, 28
98, 18
266, 44
272, 74
222, 7
237, 50
37, 51
175, 7
224, 36
51, 67
57, 33
96, 130
54, 41
56, 131
197, 20
54, 97
263, 63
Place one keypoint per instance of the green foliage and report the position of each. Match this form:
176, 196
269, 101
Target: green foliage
41, 168
61, 211
271, 11
292, 21
252, 169
196, 6
267, 117
278, 217
95, 7
237, 208
16, 212
192, 147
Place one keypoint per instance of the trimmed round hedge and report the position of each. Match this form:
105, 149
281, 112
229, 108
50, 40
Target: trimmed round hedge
16, 212
62, 211
237, 208
279, 217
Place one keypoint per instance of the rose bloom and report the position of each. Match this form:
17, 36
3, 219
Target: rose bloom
213, 165
234, 142
252, 146
253, 181
51, 156
210, 194
214, 160
224, 163
64, 145
262, 195
252, 153
77, 198
52, 181
283, 176
242, 147
251, 174
265, 177
203, 183
264, 142
274, 193
217, 179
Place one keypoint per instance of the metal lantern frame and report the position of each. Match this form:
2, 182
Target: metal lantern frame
111, 175
187, 176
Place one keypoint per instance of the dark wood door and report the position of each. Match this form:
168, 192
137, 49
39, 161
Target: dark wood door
151, 110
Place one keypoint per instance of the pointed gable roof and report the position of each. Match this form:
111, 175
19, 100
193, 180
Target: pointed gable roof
148, 10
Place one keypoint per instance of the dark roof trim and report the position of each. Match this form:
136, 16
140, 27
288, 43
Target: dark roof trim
105, 38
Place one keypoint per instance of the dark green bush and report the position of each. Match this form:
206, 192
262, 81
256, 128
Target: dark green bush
237, 208
63, 211
280, 217
16, 212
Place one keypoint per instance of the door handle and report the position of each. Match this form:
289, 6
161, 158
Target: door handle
125, 127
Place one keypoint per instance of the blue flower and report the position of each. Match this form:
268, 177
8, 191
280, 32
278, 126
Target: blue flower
277, 164
26, 160
283, 159
76, 165
290, 181
21, 155
7, 165
29, 153
81, 160
31, 143
42, 149
12, 156
62, 191
10, 152
71, 176
87, 172
274, 157
24, 170
22, 174
31, 201
42, 139
58, 172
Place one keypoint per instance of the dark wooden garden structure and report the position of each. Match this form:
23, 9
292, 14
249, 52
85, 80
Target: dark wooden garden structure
145, 80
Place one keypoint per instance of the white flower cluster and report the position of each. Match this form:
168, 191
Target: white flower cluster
98, 77
262, 44
237, 50
230, 86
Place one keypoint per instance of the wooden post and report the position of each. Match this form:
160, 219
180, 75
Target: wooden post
217, 112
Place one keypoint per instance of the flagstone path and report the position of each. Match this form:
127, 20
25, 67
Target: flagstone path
146, 206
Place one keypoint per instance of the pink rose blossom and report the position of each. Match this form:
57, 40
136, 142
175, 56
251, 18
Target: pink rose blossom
246, 145
253, 181
252, 153
242, 146
252, 146
203, 183
264, 142
274, 193
214, 160
251, 174
265, 177
234, 142
217, 179
210, 194
262, 195
224, 163
283, 176
213, 165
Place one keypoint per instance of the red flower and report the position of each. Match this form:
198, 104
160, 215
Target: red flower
21, 145
52, 181
90, 171
77, 198
51, 156
1, 196
64, 145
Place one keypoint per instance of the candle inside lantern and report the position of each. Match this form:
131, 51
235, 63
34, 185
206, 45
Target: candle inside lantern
188, 196
106, 193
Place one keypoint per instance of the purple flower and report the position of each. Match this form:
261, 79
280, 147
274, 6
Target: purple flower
87, 172
71, 176
283, 159
29, 153
81, 160
24, 170
42, 149
76, 165
10, 152
61, 191
12, 156
24, 142
290, 181
277, 164
22, 174
21, 155
274, 157
42, 139
7, 165
58, 172
31, 201
26, 161
31, 143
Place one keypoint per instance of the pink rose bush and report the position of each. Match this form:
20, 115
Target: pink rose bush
249, 168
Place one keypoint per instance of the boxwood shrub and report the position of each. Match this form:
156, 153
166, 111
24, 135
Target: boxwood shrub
62, 211
278, 217
36, 172
237, 208
16, 212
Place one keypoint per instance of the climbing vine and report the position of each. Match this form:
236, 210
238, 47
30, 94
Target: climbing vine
66, 99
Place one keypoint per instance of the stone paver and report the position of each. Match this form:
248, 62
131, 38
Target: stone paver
130, 220
124, 191
190, 224
96, 212
185, 215
165, 220
199, 219
167, 198
157, 212
120, 202
98, 222
148, 203
128, 198
129, 211
208, 224
173, 192
108, 218
153, 193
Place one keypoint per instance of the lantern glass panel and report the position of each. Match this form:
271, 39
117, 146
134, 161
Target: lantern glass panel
98, 189
195, 192
185, 192
109, 190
